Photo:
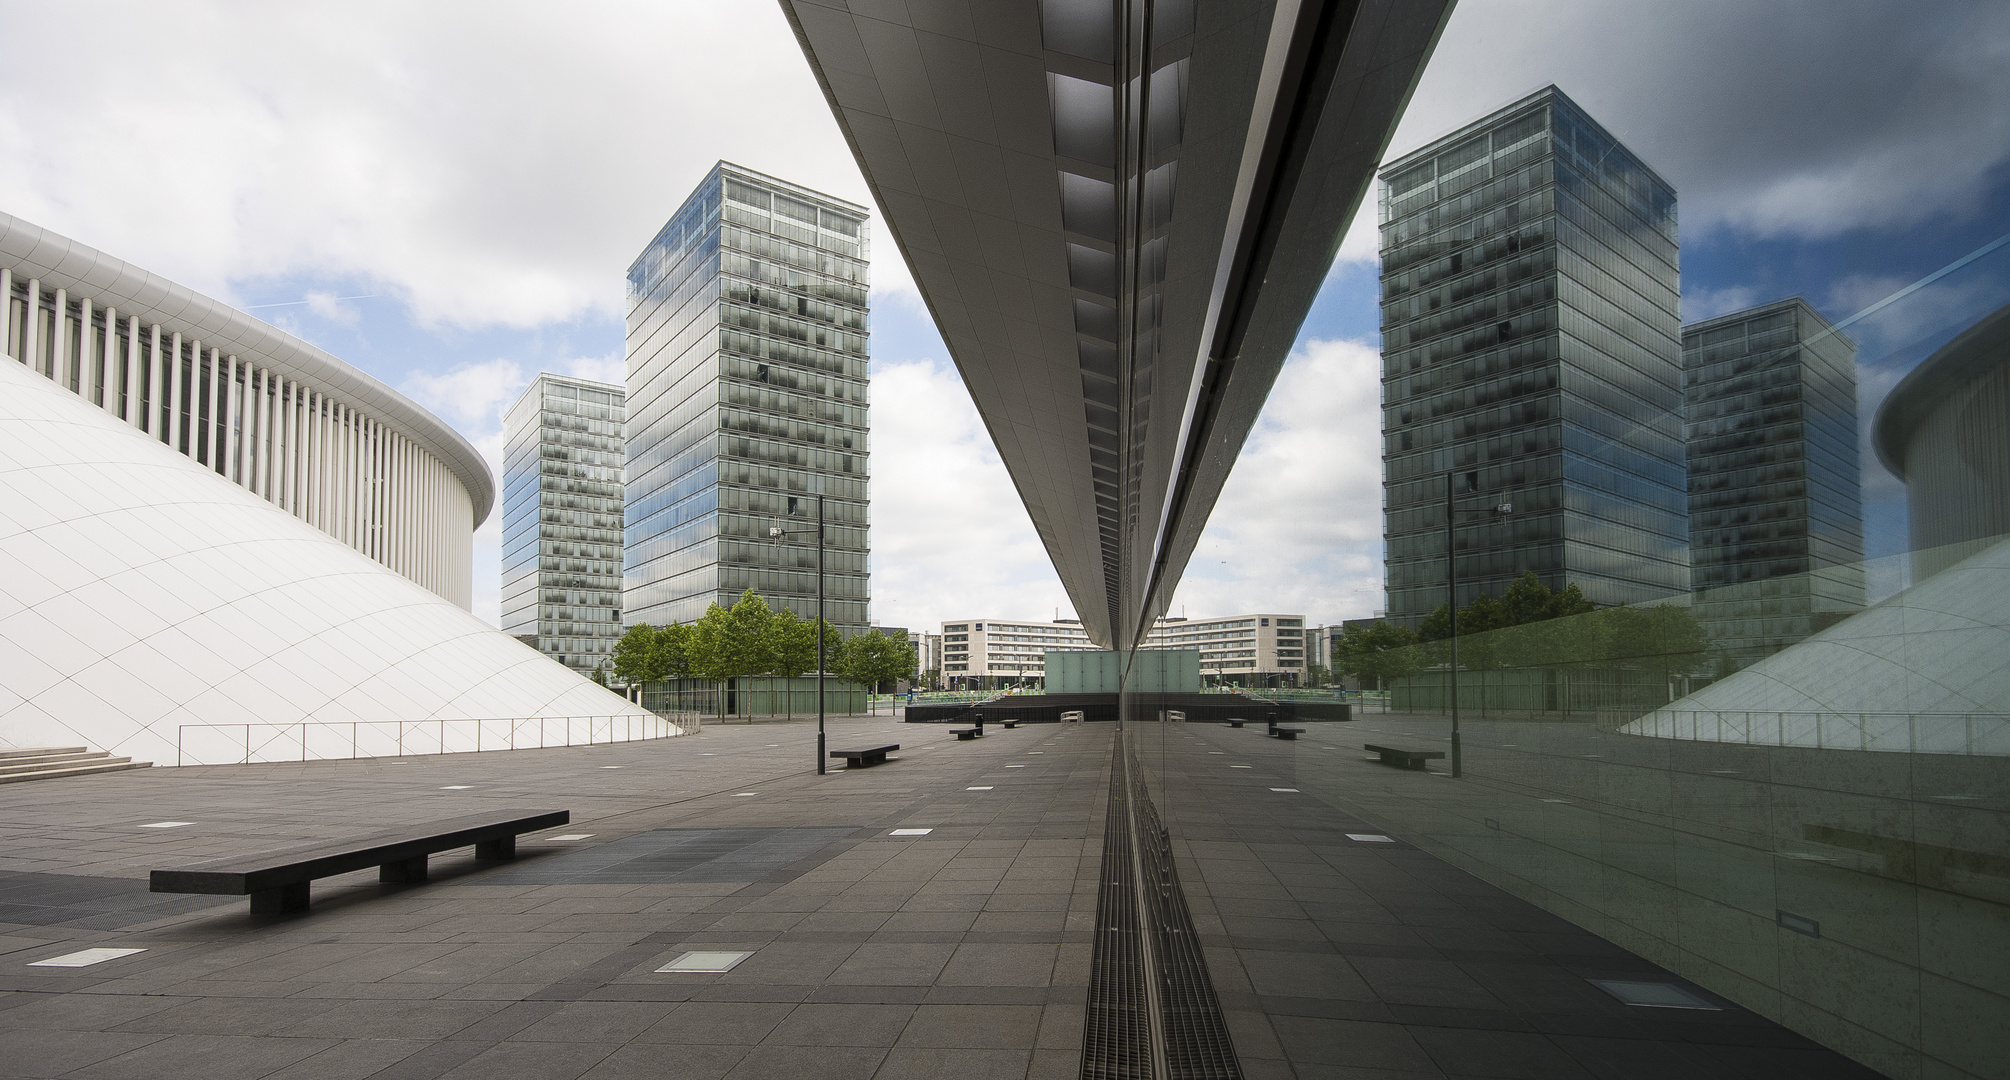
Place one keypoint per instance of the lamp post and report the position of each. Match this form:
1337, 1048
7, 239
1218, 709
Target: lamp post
776, 532
1452, 598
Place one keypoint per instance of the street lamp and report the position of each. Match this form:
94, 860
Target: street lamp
776, 532
1452, 594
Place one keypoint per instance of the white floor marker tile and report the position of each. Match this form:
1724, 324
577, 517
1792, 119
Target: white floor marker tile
570, 837
911, 832
706, 962
1369, 838
85, 958
167, 824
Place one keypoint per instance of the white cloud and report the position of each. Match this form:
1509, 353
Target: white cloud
497, 164
950, 538
1781, 118
1298, 527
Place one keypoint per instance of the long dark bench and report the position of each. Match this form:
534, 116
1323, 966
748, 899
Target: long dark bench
278, 881
966, 733
1404, 759
1289, 733
865, 755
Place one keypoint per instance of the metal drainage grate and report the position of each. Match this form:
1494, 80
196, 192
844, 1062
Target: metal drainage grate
1150, 997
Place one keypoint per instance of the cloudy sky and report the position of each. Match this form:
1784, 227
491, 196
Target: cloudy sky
447, 195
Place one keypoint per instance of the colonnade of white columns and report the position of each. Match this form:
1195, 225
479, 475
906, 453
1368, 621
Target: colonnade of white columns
291, 443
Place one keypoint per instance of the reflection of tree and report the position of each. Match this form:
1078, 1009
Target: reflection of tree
1376, 653
1531, 627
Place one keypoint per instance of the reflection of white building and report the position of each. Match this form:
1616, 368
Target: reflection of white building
216, 538
1268, 650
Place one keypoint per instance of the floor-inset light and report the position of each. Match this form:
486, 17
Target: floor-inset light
1369, 838
712, 962
977, 789
570, 837
1653, 995
911, 832
167, 824
85, 958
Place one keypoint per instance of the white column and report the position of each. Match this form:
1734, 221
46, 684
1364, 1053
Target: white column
211, 443
174, 392
6, 311
88, 375
261, 463
233, 440
154, 385
59, 364
31, 334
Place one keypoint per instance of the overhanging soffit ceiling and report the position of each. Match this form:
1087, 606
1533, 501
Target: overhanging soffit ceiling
1118, 214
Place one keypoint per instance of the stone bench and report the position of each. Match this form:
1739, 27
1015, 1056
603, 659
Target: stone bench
278, 881
865, 755
1233, 722
1404, 759
1291, 733
966, 732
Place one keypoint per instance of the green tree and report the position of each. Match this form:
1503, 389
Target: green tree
673, 651
731, 643
633, 655
1376, 653
873, 658
792, 644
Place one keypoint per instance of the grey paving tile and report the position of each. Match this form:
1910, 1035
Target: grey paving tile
352, 1059
906, 1063
976, 1027
531, 1061
53, 1052
611, 1022
392, 1019
799, 1062
825, 1024
1000, 965
213, 1057
663, 1061
889, 964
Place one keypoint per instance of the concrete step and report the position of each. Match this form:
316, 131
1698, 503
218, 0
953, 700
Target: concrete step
30, 751
18, 764
50, 772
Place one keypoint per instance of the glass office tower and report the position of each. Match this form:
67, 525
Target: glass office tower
1530, 349
747, 398
561, 545
1775, 505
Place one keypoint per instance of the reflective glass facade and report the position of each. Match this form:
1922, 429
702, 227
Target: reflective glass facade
747, 398
1530, 348
561, 545
1775, 505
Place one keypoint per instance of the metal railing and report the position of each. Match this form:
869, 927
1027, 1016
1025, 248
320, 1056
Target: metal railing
322, 740
1898, 733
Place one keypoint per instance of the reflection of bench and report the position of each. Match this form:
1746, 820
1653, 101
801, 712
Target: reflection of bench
966, 732
865, 755
1286, 732
278, 881
1009, 724
1233, 722
1072, 716
1404, 759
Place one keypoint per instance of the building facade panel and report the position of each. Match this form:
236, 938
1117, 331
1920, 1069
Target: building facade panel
1530, 351
748, 346
562, 514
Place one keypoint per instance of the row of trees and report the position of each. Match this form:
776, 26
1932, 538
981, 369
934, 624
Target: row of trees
750, 638
1529, 626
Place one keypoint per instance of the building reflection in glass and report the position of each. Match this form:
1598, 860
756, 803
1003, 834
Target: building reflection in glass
1775, 510
1530, 335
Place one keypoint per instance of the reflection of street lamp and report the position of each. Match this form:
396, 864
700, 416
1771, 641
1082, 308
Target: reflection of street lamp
776, 532
1452, 595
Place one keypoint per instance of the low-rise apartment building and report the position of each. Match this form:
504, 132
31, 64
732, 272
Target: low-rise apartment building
1240, 650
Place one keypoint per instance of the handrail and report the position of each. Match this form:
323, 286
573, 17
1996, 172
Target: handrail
280, 741
1977, 734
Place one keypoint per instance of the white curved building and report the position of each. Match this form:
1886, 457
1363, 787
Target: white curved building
213, 581
256, 405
